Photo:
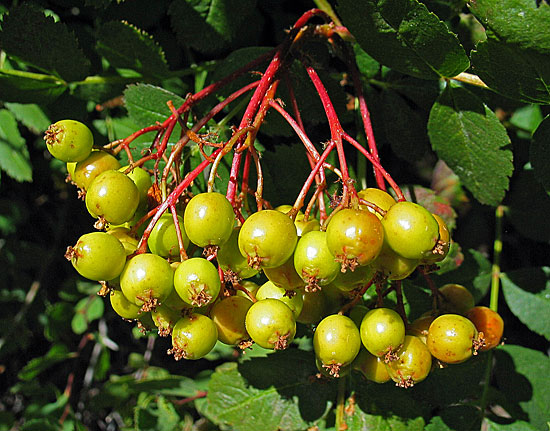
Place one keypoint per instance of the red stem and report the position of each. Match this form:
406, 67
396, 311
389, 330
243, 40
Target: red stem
365, 116
301, 197
253, 105
377, 165
336, 132
310, 14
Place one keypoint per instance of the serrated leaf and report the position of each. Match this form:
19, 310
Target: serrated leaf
521, 374
529, 206
57, 353
527, 293
540, 153
515, 73
146, 104
277, 391
26, 87
14, 156
126, 46
28, 35
520, 22
30, 115
468, 136
405, 36
210, 26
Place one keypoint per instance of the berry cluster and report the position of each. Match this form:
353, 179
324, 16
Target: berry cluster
188, 264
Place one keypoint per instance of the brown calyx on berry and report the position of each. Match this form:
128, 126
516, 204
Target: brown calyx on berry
149, 304
70, 253
210, 252
101, 223
347, 263
312, 284
178, 353
230, 276
478, 343
289, 293
51, 135
165, 331
254, 262
405, 383
390, 356
282, 342
440, 247
333, 369
245, 344
105, 289
198, 296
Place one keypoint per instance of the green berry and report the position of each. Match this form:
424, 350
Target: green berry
208, 219
69, 140
98, 256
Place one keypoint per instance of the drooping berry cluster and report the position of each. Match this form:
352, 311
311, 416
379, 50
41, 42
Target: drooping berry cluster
188, 264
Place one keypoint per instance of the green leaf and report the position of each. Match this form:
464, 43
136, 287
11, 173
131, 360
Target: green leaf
529, 206
14, 156
527, 118
540, 153
437, 424
405, 36
468, 136
285, 169
521, 374
126, 46
367, 65
449, 386
57, 353
100, 89
211, 26
359, 421
383, 408
30, 115
514, 426
28, 35
514, 60
527, 293
520, 22
155, 416
519, 74
146, 104
26, 87
404, 127
86, 311
39, 425
277, 391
